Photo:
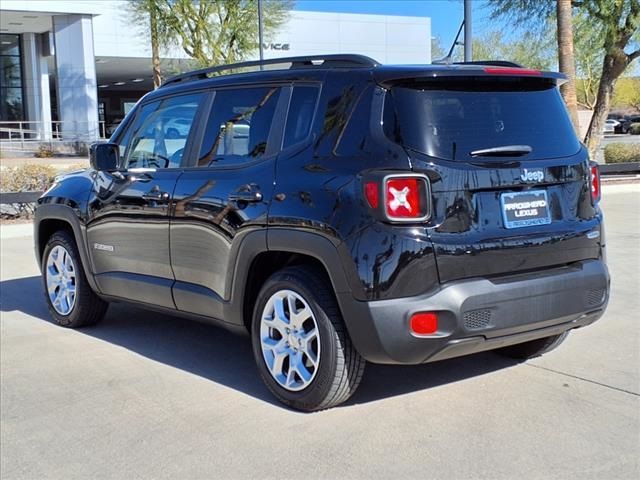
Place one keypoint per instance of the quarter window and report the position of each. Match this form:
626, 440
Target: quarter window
300, 116
160, 132
238, 126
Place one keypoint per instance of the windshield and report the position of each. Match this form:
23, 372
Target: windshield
451, 119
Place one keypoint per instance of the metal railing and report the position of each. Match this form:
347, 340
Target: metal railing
29, 135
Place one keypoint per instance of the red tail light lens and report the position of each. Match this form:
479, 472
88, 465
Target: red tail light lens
595, 184
372, 192
511, 71
406, 198
424, 323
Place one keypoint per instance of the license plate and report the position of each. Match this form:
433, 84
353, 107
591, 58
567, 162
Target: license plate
524, 209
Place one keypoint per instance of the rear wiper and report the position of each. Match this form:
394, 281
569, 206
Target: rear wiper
504, 151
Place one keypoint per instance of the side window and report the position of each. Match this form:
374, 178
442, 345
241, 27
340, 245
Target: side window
238, 126
390, 120
353, 138
300, 116
160, 132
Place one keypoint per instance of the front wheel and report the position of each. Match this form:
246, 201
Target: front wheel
69, 297
300, 343
534, 348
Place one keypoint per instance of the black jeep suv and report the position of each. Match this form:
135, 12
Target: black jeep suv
340, 211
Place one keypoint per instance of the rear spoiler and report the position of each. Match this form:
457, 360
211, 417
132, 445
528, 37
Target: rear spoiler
387, 77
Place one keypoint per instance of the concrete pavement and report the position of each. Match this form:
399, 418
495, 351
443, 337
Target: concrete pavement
144, 395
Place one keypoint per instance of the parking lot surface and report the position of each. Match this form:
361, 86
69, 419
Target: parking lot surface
144, 395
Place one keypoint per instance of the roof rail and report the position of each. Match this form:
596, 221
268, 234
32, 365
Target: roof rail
491, 63
336, 61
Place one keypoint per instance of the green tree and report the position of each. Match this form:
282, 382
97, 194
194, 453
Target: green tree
531, 50
211, 32
617, 21
215, 32
535, 14
151, 18
627, 93
566, 57
620, 20
588, 41
437, 50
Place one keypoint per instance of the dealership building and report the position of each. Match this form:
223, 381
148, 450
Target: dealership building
72, 69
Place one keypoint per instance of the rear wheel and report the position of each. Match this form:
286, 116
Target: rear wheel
534, 348
70, 299
300, 343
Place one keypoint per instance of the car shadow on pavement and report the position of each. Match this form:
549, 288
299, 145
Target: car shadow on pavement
226, 358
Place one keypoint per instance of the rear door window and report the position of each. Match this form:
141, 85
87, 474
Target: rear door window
449, 119
238, 126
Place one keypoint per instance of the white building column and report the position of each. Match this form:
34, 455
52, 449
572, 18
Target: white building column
76, 77
35, 78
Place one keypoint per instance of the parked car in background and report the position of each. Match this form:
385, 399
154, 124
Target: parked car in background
177, 127
610, 126
623, 123
631, 119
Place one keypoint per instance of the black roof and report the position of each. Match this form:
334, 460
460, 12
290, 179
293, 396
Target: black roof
315, 67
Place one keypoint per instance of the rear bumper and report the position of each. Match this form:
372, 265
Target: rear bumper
480, 314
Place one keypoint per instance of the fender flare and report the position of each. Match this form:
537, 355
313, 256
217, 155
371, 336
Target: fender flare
287, 240
65, 214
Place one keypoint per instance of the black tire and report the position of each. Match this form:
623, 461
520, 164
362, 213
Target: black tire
88, 308
340, 366
534, 348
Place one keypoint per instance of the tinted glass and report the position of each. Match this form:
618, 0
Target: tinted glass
9, 44
10, 72
160, 132
353, 138
300, 116
451, 119
11, 95
238, 126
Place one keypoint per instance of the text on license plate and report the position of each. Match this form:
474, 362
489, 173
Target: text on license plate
524, 209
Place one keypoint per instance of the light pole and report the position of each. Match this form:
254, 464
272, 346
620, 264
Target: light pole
260, 45
468, 41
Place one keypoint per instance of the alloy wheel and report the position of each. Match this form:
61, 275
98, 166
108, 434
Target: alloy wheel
61, 280
289, 339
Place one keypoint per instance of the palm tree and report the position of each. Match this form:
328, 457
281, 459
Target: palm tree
566, 58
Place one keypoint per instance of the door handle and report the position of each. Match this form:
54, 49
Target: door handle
246, 193
155, 195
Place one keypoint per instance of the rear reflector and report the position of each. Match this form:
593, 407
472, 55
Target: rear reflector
511, 71
595, 184
424, 323
372, 192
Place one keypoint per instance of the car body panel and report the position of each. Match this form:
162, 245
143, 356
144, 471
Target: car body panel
200, 241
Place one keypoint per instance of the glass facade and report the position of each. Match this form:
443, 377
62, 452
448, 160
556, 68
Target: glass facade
11, 100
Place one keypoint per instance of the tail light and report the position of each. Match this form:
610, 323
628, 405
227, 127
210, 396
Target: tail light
595, 184
402, 198
511, 71
372, 192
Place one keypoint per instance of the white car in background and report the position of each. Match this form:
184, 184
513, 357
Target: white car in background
610, 126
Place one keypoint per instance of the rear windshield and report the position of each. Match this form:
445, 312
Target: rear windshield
449, 118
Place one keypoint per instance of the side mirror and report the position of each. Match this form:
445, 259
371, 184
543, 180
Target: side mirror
104, 157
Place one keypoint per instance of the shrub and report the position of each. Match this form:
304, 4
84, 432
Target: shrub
27, 178
44, 151
622, 152
634, 129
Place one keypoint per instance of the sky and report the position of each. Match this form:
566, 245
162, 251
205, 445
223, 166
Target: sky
446, 15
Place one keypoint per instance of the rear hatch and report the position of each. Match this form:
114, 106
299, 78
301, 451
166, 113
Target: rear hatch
510, 182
